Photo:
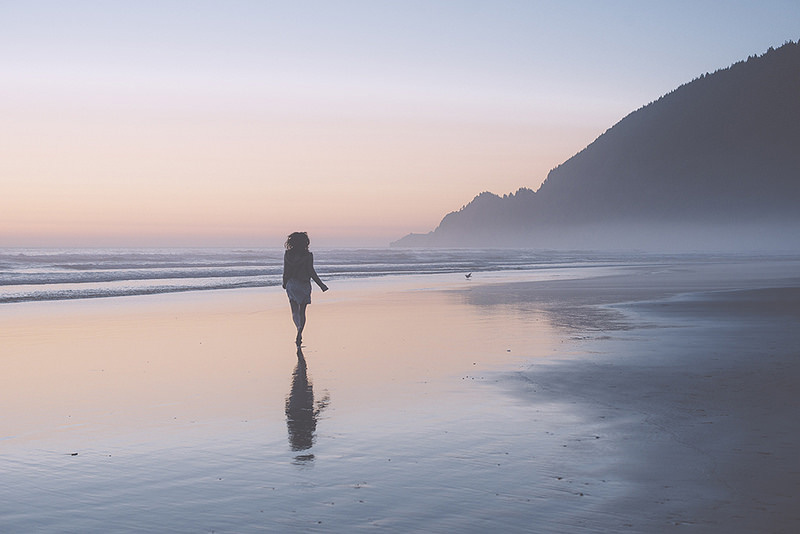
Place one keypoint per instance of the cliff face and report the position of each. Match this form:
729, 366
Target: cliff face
722, 151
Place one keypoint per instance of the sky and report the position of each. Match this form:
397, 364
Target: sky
233, 123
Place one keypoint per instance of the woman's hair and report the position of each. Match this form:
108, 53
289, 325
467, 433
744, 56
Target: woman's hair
297, 241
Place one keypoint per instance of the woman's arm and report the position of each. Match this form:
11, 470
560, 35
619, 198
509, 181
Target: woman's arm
314, 275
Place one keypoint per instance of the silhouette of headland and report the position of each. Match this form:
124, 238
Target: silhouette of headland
715, 161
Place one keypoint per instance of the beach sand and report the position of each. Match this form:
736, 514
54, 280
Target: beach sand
652, 398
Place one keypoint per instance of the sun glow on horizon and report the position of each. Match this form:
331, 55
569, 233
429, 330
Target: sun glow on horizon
237, 122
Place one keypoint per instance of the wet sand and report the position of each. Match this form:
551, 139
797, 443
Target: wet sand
649, 399
687, 375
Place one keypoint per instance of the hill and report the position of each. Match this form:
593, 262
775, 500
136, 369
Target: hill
715, 161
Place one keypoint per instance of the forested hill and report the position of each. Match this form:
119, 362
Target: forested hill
720, 154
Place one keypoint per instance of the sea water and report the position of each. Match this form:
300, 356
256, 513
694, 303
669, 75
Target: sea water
61, 274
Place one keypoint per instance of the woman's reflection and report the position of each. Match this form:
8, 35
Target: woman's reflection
301, 413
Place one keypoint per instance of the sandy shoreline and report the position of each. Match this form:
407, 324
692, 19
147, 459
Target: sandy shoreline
695, 391
659, 398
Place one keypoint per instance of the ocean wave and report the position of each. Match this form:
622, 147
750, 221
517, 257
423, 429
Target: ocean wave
64, 274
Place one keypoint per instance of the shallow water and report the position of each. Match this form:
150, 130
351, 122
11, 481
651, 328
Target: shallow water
170, 414
417, 410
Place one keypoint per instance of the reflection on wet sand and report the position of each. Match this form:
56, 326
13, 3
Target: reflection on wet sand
301, 412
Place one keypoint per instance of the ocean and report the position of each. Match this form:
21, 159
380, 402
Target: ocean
62, 274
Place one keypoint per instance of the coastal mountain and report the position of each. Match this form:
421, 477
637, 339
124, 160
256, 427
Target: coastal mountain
714, 163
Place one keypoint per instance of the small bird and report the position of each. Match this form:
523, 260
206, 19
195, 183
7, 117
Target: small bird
468, 276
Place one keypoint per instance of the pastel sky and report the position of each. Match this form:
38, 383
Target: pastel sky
148, 123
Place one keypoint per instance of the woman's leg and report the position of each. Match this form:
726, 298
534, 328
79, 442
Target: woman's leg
301, 322
299, 318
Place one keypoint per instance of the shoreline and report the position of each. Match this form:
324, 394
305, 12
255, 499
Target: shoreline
634, 401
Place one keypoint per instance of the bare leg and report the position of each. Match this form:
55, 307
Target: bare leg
299, 318
301, 322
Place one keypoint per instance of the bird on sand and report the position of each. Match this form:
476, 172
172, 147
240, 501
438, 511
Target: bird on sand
468, 276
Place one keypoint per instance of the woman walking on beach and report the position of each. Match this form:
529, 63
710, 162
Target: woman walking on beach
298, 271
